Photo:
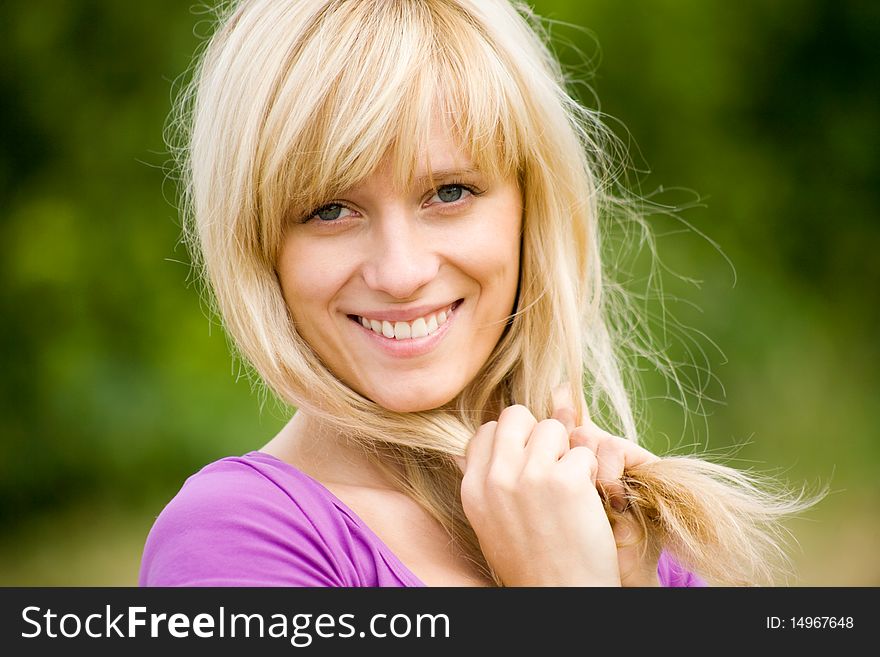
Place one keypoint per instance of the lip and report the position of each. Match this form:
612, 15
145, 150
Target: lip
403, 314
411, 347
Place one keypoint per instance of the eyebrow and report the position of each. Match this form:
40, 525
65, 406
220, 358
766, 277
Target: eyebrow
446, 173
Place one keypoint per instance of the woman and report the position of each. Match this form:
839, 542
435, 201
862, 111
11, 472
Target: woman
396, 205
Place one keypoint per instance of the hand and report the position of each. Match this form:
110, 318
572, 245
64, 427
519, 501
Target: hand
534, 505
636, 558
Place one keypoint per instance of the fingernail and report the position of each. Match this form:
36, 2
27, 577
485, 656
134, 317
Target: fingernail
618, 504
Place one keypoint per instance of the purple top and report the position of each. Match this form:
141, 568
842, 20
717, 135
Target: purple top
255, 520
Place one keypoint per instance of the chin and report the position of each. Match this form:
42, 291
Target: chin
411, 403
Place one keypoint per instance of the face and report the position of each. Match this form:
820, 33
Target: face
403, 293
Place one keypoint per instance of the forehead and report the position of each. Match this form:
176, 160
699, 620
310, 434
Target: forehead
421, 152
440, 155
427, 95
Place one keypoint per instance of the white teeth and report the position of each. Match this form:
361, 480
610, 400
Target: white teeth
418, 328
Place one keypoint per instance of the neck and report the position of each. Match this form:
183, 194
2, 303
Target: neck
324, 454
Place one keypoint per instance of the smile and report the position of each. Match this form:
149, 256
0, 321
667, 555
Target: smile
417, 328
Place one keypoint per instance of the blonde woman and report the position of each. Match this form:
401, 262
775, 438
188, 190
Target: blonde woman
396, 205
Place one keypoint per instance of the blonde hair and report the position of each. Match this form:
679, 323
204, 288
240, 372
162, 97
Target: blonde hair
294, 101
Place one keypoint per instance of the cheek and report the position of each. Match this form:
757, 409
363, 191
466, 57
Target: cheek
498, 269
309, 278
495, 253
490, 258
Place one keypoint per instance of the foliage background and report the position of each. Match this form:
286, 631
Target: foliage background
116, 386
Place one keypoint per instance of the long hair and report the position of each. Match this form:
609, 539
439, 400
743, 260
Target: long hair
293, 102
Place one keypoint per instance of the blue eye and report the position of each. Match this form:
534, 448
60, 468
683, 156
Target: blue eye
331, 212
450, 193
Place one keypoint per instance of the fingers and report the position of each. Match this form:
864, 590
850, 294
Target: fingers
516, 445
515, 424
479, 448
517, 440
615, 455
527, 484
547, 444
528, 494
580, 461
499, 445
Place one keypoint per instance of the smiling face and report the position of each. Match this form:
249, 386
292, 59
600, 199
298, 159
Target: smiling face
404, 293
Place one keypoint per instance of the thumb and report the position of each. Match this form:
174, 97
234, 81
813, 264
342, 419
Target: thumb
637, 553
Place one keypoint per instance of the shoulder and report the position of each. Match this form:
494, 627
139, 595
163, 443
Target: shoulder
249, 521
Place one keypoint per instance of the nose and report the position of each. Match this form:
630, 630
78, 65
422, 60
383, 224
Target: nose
401, 258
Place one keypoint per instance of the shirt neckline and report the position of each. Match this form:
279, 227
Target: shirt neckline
394, 562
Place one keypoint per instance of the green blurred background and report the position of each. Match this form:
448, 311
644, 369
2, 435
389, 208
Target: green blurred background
116, 386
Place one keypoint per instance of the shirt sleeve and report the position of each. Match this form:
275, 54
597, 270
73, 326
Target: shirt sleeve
672, 574
230, 525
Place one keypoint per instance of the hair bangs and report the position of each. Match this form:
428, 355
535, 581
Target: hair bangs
427, 62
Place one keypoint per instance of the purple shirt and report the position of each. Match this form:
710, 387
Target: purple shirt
255, 520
